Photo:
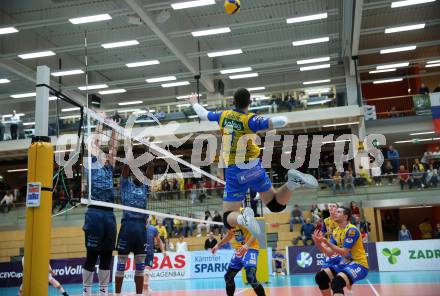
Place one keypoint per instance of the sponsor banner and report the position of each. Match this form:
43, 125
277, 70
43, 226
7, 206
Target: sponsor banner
174, 266
409, 255
206, 265
308, 259
67, 271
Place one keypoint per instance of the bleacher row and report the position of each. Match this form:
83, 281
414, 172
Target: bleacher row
68, 242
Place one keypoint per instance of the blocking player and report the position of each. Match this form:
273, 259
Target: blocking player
100, 224
131, 238
246, 256
244, 168
346, 242
152, 238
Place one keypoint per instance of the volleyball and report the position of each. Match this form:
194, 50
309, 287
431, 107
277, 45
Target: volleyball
232, 6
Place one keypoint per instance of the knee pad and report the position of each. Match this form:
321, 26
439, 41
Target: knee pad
322, 280
275, 206
225, 219
91, 258
338, 285
140, 264
120, 267
105, 258
251, 275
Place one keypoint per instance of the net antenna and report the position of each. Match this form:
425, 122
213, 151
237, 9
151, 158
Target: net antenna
89, 125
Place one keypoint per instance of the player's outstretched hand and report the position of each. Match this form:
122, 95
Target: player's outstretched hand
242, 250
214, 250
192, 99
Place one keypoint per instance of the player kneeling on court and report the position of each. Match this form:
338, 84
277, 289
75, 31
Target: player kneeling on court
351, 266
132, 233
246, 256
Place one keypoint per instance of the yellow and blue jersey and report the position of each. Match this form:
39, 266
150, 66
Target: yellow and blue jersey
242, 236
328, 226
350, 238
233, 126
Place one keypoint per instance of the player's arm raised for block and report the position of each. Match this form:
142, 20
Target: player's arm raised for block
225, 239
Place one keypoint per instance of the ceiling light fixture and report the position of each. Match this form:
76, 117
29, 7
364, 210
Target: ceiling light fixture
224, 53
307, 18
211, 32
90, 19
311, 41
34, 55
404, 28
120, 44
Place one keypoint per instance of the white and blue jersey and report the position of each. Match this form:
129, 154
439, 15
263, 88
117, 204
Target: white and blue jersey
102, 183
133, 196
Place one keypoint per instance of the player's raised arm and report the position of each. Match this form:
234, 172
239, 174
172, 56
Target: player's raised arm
201, 111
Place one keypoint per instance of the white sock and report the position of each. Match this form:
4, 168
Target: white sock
87, 277
104, 279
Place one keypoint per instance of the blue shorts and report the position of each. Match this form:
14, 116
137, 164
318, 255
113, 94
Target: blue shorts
149, 259
99, 230
330, 261
238, 181
353, 270
131, 237
247, 260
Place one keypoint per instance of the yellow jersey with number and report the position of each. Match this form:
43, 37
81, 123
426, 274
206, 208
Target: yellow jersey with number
238, 140
350, 237
242, 236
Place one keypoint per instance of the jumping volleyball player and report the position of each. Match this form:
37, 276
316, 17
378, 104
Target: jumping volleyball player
132, 233
345, 243
100, 224
56, 284
235, 124
151, 237
246, 256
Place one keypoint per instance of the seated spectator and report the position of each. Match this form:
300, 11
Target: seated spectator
432, 176
206, 226
349, 181
423, 90
177, 226
404, 233
364, 177
337, 182
194, 193
278, 263
188, 226
316, 213
210, 241
376, 172
426, 229
181, 246
437, 230
393, 112
306, 233
359, 223
417, 177
389, 170
217, 218
296, 217
7, 201
162, 231
169, 246
153, 220
404, 177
